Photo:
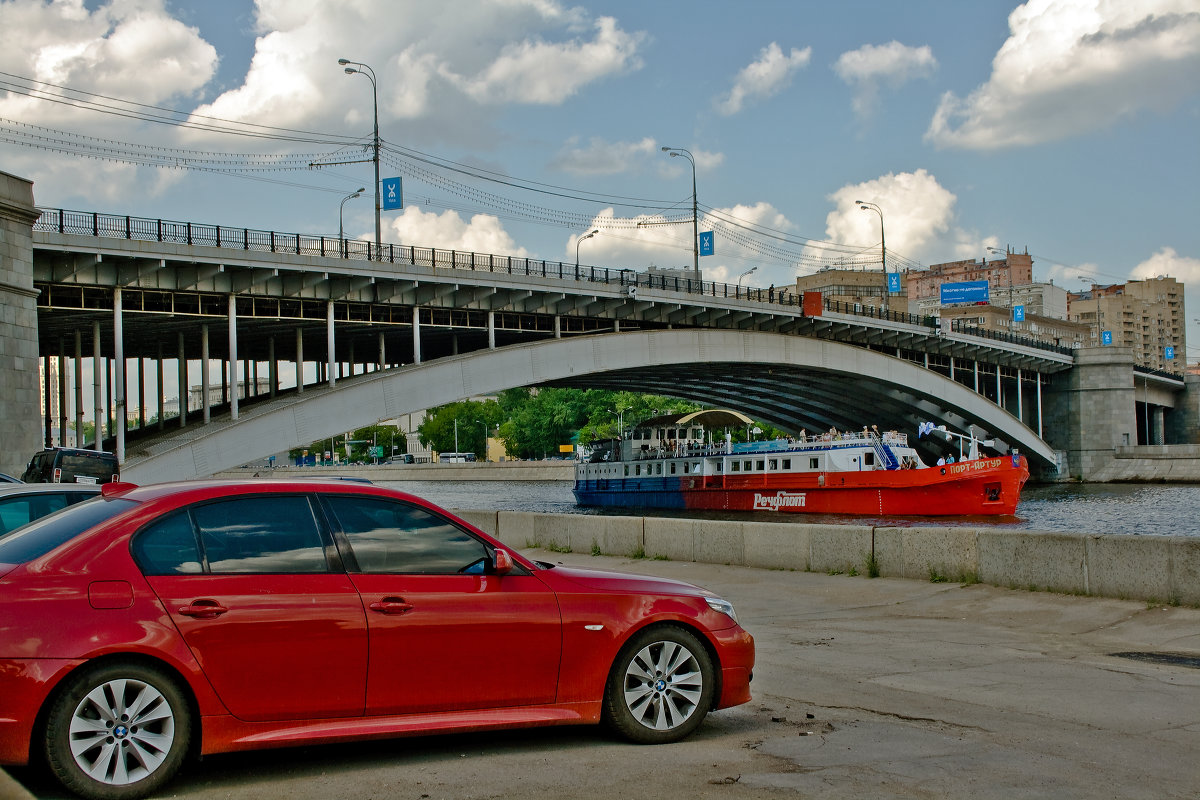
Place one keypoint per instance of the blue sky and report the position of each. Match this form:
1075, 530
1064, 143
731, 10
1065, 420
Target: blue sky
1068, 128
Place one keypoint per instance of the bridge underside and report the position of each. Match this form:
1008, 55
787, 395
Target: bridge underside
791, 382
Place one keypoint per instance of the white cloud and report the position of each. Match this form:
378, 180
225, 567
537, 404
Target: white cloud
1167, 262
894, 64
917, 212
604, 158
1070, 67
483, 234
767, 76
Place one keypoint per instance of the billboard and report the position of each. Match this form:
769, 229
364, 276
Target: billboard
965, 292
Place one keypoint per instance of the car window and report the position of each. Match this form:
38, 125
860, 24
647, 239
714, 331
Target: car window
18, 510
388, 536
274, 534
43, 535
75, 466
168, 547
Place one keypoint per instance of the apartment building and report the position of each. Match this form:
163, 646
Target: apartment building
1147, 316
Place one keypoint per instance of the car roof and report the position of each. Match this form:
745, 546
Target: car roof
10, 489
81, 451
224, 487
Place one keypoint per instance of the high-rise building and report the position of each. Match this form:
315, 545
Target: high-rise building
1146, 316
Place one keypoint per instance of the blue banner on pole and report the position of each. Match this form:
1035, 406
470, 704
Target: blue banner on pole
893, 279
1169, 353
1018, 313
965, 292
706, 243
393, 194
1106, 338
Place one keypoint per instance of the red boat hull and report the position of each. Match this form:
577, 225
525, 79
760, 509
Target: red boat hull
983, 487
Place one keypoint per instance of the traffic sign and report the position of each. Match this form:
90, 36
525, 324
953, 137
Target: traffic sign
1018, 313
393, 194
706, 243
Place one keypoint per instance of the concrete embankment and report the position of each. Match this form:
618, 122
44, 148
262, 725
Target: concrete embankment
1160, 569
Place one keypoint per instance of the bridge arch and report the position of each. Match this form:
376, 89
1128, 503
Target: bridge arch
789, 381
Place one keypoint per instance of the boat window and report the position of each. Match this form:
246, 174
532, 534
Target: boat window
759, 465
685, 468
774, 464
637, 470
787, 463
746, 466
735, 466
672, 467
868, 458
716, 466
814, 463
658, 469
696, 467
626, 470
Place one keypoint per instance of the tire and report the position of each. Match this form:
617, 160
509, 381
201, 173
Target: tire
117, 731
660, 687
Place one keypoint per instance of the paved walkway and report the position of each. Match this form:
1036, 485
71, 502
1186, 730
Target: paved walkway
884, 688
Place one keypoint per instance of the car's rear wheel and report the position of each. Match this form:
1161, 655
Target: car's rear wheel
117, 731
661, 686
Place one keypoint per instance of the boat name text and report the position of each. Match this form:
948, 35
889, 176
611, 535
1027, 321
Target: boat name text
774, 502
978, 464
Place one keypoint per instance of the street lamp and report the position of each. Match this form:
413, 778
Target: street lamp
1008, 268
578, 242
357, 192
358, 68
620, 421
883, 242
744, 274
1092, 280
679, 151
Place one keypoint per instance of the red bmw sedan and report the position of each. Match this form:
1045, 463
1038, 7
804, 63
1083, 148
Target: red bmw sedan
155, 623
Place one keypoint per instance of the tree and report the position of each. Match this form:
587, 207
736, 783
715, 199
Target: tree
475, 420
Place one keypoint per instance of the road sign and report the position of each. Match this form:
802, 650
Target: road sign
393, 194
893, 279
1106, 338
706, 243
1018, 313
1169, 353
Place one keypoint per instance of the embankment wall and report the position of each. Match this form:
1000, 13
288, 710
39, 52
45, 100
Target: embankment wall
1160, 569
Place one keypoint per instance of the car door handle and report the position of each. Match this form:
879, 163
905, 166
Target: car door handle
203, 609
391, 605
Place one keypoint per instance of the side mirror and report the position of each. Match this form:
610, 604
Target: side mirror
502, 562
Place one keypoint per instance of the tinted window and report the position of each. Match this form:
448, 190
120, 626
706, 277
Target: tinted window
387, 536
168, 547
41, 536
99, 466
18, 510
260, 534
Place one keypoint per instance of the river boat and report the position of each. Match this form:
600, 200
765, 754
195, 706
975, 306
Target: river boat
690, 462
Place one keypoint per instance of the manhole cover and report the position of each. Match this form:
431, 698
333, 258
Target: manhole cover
1172, 659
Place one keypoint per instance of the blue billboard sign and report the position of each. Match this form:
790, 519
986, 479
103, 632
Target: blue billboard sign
1106, 338
964, 292
1018, 313
393, 194
893, 279
1169, 353
706, 243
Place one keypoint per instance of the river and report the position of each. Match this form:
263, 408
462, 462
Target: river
1081, 508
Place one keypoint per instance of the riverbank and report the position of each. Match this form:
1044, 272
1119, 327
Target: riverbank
1156, 569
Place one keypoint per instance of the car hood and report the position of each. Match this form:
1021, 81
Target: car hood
605, 580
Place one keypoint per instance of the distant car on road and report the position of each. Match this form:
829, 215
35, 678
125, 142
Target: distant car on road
72, 465
163, 621
21, 503
5, 478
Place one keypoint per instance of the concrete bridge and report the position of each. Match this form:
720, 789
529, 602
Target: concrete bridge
384, 333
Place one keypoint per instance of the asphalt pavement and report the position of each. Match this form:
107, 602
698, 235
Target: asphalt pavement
881, 688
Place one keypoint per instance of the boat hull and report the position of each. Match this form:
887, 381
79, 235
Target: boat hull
983, 487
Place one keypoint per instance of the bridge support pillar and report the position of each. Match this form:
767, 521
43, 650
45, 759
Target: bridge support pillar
1090, 410
98, 369
416, 335
299, 361
272, 365
233, 358
204, 373
1183, 423
183, 381
78, 388
18, 310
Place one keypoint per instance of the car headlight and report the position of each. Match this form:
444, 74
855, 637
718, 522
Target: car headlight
722, 606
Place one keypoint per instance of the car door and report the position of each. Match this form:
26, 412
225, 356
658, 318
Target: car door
248, 582
444, 635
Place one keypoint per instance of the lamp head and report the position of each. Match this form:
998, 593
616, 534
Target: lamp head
343, 61
666, 149
350, 70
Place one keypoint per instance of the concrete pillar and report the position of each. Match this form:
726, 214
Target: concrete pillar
329, 342
492, 329
1039, 403
557, 327
78, 388
119, 418
183, 382
976, 377
97, 393
141, 395
1156, 426
416, 335
272, 365
18, 311
1090, 409
1020, 398
999, 389
1183, 423
161, 387
233, 358
47, 393
204, 373
62, 392
299, 361
382, 359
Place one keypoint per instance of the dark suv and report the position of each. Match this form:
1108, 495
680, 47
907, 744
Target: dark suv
72, 465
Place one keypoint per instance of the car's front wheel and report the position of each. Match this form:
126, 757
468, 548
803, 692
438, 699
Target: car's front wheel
117, 731
660, 687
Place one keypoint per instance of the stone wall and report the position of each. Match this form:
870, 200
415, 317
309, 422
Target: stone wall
20, 394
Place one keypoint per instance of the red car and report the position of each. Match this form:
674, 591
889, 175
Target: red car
153, 623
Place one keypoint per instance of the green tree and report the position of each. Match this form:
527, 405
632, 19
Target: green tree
475, 421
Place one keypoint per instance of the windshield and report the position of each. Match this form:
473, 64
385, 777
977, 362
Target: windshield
41, 536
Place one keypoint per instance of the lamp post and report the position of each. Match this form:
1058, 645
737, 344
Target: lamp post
620, 421
883, 244
370, 75
357, 192
679, 151
580, 241
1092, 280
1008, 269
744, 274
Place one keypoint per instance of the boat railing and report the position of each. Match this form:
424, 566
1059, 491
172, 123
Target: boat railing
876, 440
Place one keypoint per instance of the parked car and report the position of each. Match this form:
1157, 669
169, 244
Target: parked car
196, 618
21, 503
6, 478
72, 465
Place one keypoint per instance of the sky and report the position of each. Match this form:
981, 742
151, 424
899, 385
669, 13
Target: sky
1065, 128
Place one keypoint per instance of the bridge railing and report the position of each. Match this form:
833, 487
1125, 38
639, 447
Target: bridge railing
113, 226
